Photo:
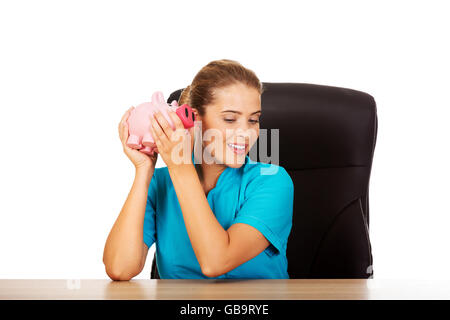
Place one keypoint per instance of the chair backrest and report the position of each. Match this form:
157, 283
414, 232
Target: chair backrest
327, 137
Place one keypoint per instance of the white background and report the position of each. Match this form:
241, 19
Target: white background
70, 69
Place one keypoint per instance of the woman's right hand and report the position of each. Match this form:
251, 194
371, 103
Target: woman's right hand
139, 159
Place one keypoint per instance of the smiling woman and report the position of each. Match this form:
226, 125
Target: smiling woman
219, 215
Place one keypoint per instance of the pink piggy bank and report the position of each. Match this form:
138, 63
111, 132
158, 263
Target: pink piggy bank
139, 121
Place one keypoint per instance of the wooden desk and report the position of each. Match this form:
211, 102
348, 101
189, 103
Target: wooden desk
211, 289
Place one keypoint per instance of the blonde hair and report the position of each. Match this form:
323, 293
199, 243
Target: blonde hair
217, 74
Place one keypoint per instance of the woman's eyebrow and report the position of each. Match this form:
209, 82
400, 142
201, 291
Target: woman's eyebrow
238, 112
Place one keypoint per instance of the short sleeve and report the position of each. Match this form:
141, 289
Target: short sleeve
150, 213
268, 207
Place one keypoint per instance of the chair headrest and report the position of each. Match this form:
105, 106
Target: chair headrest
319, 126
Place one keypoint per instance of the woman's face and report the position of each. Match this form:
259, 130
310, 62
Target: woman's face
230, 126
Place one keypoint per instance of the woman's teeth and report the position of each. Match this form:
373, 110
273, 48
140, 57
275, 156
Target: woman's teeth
236, 148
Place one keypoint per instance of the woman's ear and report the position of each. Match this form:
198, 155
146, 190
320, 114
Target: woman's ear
196, 114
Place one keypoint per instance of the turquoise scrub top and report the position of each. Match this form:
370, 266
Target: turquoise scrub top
258, 194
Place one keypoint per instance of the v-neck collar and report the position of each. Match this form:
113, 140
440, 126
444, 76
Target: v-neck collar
228, 171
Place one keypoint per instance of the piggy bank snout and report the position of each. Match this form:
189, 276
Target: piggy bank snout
186, 115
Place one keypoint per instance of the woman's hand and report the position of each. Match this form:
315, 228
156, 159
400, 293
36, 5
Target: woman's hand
175, 146
139, 159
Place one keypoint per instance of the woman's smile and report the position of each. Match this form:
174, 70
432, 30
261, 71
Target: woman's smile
238, 148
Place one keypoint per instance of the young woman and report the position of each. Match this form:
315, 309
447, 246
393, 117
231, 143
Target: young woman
218, 215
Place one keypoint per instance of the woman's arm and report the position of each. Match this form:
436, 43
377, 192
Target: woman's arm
208, 238
125, 251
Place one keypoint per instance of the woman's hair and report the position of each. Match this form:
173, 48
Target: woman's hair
217, 74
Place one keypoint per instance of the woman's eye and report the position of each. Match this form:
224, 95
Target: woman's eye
232, 120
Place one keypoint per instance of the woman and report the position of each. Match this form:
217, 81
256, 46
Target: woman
217, 215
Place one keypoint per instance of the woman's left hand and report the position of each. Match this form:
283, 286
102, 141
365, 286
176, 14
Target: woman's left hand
174, 146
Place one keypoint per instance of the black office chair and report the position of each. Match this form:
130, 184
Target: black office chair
327, 137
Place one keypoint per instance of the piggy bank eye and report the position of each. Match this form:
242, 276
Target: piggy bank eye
193, 117
186, 112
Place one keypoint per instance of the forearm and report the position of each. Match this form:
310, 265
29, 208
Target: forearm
124, 245
208, 238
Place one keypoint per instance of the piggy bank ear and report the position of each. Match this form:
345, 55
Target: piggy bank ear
158, 97
173, 106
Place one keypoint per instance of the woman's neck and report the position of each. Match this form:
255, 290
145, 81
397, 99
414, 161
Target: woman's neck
209, 174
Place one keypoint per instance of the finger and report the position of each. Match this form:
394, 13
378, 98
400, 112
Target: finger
121, 125
126, 114
158, 129
123, 120
124, 134
155, 135
176, 120
192, 135
164, 141
195, 133
164, 125
120, 130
